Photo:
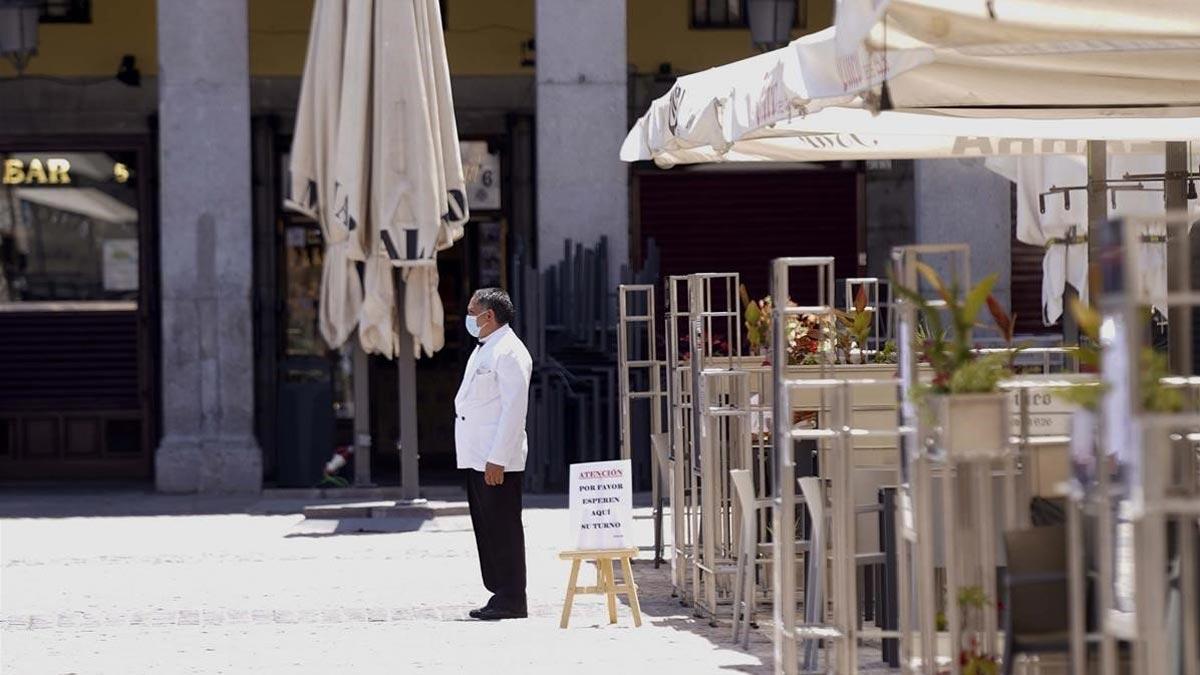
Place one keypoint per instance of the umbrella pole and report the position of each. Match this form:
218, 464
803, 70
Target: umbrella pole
406, 386
362, 416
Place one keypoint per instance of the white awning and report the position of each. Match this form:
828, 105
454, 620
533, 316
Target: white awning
1055, 53
88, 202
1040, 70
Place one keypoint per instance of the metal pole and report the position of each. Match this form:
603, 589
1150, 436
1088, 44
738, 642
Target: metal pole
950, 558
657, 427
845, 514
677, 432
1179, 326
1097, 204
623, 372
888, 615
406, 394
362, 416
699, 396
1077, 588
785, 485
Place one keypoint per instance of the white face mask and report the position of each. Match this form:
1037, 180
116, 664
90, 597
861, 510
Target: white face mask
473, 325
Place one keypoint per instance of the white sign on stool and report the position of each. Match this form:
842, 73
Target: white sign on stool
601, 501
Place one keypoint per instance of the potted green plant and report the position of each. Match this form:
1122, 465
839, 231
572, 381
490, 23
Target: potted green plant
757, 316
974, 658
854, 329
887, 353
806, 336
812, 339
963, 401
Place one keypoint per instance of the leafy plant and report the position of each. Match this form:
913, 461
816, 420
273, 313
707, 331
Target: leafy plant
887, 353
973, 659
1157, 397
947, 349
812, 339
808, 338
972, 597
757, 315
858, 323
1152, 367
981, 374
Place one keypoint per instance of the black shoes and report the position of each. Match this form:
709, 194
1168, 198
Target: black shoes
497, 614
493, 612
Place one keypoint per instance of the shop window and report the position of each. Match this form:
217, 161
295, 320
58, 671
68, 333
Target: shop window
732, 14
66, 11
68, 229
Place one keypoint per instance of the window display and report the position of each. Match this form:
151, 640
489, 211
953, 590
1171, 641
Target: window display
68, 228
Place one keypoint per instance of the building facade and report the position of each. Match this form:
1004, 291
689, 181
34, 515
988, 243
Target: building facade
157, 304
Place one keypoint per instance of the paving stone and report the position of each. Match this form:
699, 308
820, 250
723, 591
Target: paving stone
18, 623
224, 592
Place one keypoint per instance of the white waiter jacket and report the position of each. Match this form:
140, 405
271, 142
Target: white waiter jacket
490, 406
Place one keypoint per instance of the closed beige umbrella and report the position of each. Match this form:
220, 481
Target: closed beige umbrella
348, 212
377, 161
419, 206
311, 185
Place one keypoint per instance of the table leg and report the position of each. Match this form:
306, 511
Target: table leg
571, 585
634, 604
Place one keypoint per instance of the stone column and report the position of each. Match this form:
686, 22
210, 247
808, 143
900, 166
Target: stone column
582, 73
208, 442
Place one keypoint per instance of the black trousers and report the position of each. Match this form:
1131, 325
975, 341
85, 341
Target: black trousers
500, 537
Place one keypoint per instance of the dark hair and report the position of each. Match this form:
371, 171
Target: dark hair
498, 301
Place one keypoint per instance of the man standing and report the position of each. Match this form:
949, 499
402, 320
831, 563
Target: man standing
489, 437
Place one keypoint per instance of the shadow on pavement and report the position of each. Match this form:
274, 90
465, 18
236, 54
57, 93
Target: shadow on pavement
331, 527
111, 501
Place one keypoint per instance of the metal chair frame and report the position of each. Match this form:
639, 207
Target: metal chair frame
1161, 493
628, 296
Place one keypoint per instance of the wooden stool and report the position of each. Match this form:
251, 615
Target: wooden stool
606, 583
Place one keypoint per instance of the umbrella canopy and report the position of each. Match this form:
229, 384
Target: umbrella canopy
381, 158
842, 133
419, 203
1036, 71
1032, 77
938, 53
313, 182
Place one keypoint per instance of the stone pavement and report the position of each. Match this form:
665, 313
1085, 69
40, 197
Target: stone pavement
156, 584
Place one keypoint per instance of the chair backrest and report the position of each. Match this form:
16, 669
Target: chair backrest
814, 581
1037, 606
743, 488
810, 488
